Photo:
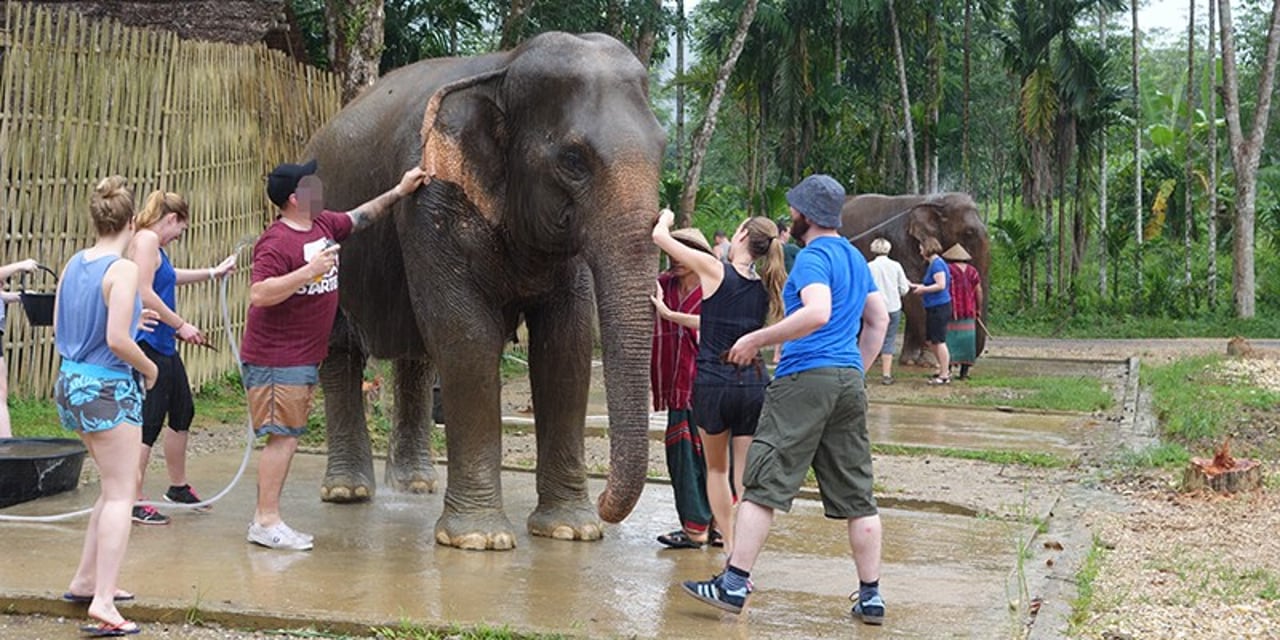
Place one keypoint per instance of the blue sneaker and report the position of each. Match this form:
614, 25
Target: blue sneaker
713, 593
871, 610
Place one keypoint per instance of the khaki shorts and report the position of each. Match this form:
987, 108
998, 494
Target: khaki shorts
815, 418
279, 398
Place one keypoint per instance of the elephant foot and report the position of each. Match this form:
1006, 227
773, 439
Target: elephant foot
566, 521
410, 480
346, 488
476, 531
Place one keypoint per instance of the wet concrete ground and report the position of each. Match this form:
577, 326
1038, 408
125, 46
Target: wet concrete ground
377, 564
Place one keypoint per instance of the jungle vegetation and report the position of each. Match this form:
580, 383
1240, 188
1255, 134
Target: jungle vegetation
1123, 172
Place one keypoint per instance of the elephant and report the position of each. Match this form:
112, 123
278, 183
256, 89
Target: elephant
543, 165
904, 221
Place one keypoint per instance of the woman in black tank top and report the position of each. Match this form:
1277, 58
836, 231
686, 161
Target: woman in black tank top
736, 299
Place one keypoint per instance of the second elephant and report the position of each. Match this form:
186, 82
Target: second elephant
906, 220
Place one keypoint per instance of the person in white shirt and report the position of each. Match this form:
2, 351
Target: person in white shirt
892, 283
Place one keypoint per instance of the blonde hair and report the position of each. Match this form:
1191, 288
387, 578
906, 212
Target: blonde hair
111, 206
930, 246
764, 245
881, 247
160, 204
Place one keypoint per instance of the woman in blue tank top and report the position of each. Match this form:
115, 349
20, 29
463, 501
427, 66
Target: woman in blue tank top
735, 301
98, 394
163, 220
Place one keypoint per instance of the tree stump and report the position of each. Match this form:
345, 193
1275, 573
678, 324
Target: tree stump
1222, 473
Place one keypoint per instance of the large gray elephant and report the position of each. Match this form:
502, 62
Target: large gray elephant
544, 165
906, 220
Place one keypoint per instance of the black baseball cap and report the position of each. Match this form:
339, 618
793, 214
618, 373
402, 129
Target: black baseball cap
282, 182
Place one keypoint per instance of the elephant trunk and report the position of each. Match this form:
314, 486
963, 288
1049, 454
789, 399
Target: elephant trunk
624, 267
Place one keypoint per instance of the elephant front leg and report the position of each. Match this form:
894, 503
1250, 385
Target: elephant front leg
349, 474
409, 463
473, 517
560, 374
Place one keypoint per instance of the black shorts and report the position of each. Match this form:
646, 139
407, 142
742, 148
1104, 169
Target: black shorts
935, 323
170, 397
732, 407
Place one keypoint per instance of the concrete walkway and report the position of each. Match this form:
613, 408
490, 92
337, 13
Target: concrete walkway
377, 564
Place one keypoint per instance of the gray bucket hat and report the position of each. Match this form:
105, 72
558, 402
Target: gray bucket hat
819, 198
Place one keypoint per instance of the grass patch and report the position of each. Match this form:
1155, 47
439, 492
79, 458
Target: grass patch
1024, 458
1165, 455
1197, 406
409, 631
1083, 602
1050, 323
36, 418
1047, 393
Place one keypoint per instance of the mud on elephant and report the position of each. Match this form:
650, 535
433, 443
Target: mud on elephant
545, 164
906, 220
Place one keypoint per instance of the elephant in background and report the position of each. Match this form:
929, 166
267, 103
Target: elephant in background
544, 166
906, 220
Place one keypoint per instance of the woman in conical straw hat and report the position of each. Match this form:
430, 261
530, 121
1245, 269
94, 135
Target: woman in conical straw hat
966, 306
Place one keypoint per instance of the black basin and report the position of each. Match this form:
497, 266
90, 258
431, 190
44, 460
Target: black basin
32, 468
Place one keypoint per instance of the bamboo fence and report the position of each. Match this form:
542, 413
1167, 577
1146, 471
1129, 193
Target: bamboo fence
83, 99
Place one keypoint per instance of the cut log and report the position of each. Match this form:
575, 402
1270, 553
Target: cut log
1242, 475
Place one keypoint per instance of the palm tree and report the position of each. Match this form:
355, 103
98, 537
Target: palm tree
913, 182
1211, 72
1189, 173
1137, 146
1102, 171
355, 42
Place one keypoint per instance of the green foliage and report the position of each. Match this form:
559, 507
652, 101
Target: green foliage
1218, 407
409, 631
1024, 458
1085, 578
1166, 455
36, 418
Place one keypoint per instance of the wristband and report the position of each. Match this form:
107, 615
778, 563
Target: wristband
213, 275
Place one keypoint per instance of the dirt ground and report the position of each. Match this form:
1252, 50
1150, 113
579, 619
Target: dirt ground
1173, 565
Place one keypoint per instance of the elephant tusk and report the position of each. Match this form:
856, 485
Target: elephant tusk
433, 108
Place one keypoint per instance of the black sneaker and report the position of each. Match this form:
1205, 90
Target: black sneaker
185, 495
149, 515
713, 593
871, 610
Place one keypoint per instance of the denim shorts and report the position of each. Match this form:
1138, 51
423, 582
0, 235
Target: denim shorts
91, 398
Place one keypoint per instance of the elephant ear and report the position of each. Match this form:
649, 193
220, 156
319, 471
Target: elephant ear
926, 220
464, 140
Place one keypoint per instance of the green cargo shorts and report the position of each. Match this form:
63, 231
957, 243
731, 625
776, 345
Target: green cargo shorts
813, 418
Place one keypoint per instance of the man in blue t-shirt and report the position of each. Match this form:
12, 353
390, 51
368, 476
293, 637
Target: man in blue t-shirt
815, 410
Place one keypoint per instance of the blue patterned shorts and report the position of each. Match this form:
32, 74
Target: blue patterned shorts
92, 398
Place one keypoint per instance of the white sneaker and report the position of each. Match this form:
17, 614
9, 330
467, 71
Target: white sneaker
298, 534
279, 536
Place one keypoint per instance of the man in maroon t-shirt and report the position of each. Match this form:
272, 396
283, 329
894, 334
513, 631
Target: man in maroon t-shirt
293, 302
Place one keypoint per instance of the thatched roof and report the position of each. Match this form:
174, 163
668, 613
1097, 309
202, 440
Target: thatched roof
234, 21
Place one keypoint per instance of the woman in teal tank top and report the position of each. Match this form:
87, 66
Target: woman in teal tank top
98, 395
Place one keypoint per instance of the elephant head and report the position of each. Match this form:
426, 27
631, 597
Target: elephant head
952, 218
556, 147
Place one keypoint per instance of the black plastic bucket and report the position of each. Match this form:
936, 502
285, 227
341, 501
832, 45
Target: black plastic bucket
39, 306
33, 468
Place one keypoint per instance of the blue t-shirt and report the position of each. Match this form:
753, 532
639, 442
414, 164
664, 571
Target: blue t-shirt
834, 262
936, 298
165, 284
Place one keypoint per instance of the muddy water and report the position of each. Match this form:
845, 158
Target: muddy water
377, 563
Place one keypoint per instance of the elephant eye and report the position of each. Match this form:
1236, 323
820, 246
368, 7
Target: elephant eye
573, 162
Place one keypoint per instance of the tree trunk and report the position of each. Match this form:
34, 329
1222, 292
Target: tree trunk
513, 24
648, 35
1211, 70
680, 29
702, 139
1188, 211
1245, 153
1102, 176
933, 64
913, 182
1137, 152
355, 42
964, 118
